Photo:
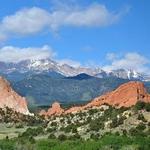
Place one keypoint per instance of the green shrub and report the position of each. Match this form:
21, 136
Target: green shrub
142, 105
51, 136
96, 125
77, 136
70, 128
139, 105
136, 132
94, 136
148, 124
54, 124
147, 107
74, 137
117, 133
32, 140
74, 130
133, 132
19, 126
89, 119
141, 126
92, 111
67, 129
32, 132
124, 132
62, 137
49, 130
116, 122
141, 117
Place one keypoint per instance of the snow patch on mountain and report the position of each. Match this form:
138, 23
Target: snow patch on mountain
48, 65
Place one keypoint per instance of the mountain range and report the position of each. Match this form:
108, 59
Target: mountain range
44, 81
43, 89
19, 70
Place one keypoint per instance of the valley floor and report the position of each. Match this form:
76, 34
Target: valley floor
10, 131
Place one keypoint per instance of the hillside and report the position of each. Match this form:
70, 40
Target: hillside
100, 122
44, 90
105, 128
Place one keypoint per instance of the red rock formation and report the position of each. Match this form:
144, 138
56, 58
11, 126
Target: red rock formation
54, 110
9, 98
126, 95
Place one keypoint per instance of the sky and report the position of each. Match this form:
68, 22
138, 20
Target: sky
110, 34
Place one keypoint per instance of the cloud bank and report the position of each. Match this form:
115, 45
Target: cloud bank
16, 54
33, 20
133, 61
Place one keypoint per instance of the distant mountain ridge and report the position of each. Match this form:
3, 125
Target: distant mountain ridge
44, 90
81, 76
44, 81
48, 66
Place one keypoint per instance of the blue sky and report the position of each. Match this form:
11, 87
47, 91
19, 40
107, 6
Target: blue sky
117, 38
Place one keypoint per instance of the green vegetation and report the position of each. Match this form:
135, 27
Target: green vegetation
96, 125
141, 117
32, 132
70, 128
141, 126
102, 128
109, 141
8, 115
141, 105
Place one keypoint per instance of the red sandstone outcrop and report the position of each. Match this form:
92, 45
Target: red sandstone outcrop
126, 95
54, 110
9, 98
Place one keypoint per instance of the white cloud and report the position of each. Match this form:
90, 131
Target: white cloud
133, 61
94, 15
33, 20
25, 22
16, 54
111, 56
69, 62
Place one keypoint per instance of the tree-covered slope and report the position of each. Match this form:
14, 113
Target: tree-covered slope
43, 89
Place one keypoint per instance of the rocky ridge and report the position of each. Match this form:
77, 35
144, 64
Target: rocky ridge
126, 95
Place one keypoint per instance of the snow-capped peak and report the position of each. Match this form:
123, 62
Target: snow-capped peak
48, 65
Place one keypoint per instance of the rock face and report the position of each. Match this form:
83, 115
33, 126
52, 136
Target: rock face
9, 98
126, 95
54, 110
